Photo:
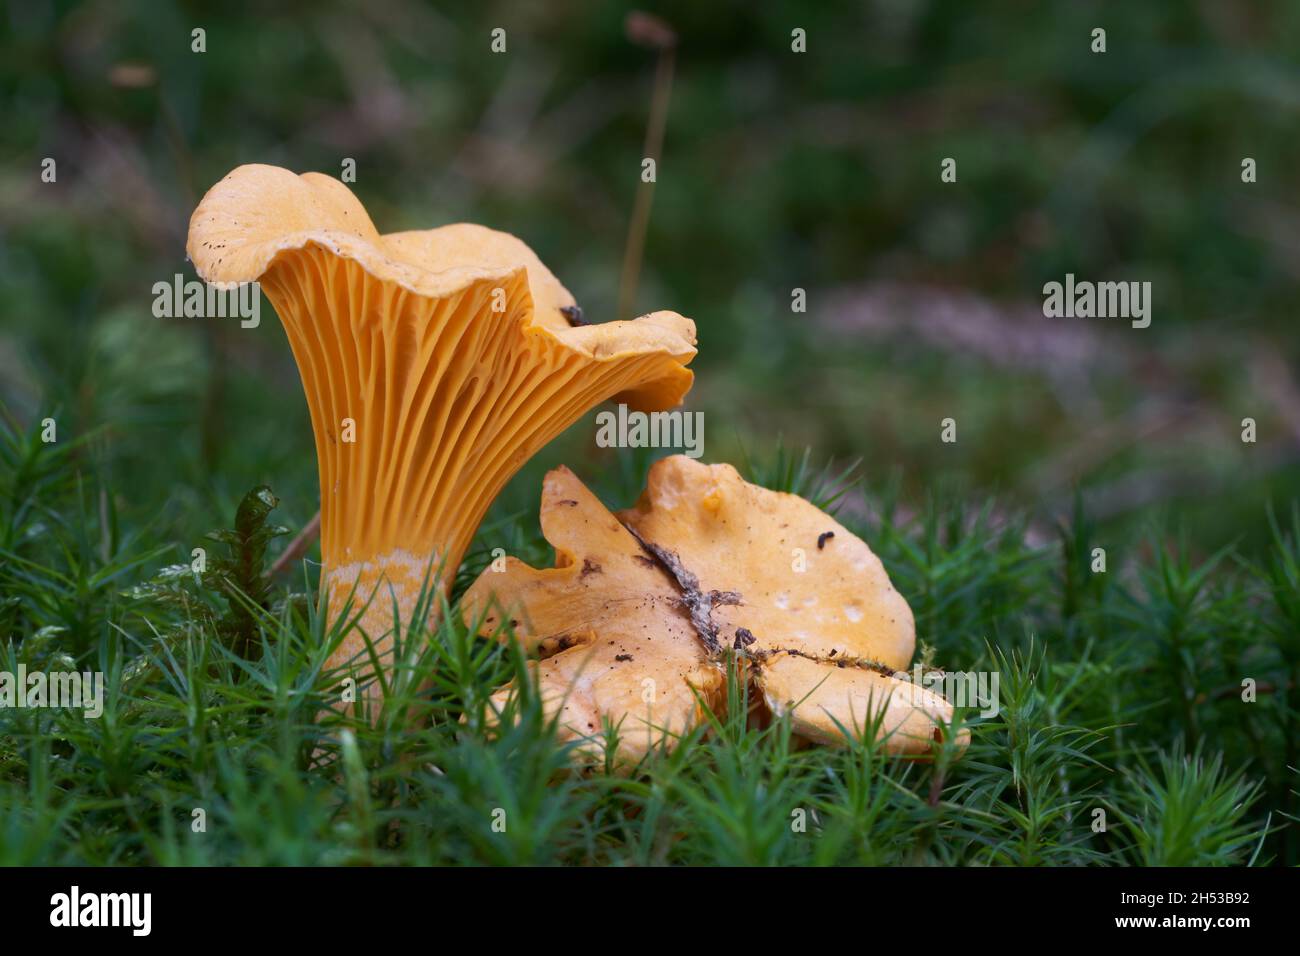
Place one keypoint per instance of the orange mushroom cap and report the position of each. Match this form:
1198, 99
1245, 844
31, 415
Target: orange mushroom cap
702, 563
447, 349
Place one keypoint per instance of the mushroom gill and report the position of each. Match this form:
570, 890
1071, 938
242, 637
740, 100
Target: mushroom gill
434, 364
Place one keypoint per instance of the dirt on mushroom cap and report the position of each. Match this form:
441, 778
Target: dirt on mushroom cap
722, 572
620, 646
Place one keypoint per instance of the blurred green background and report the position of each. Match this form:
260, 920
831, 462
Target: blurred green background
779, 170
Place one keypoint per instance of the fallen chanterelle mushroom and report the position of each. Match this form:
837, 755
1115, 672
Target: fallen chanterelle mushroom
435, 364
633, 620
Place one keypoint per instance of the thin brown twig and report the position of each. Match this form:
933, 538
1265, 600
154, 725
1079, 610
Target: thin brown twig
698, 603
648, 31
297, 547
1263, 687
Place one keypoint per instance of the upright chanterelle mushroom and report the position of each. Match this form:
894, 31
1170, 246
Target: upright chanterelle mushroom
435, 364
632, 622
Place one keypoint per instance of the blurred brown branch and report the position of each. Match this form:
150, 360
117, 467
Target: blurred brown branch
297, 547
651, 32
